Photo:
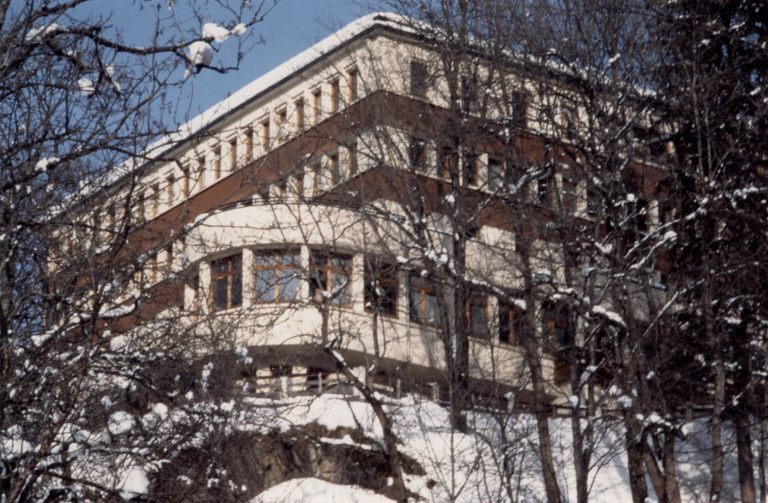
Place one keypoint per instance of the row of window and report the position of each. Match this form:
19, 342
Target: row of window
278, 278
206, 170
420, 83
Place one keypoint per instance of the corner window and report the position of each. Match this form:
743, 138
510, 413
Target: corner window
381, 287
329, 276
226, 282
418, 79
277, 275
422, 301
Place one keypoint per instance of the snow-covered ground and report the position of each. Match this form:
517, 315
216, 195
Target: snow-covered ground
481, 466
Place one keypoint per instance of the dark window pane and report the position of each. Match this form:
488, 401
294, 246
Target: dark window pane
414, 306
289, 285
418, 79
221, 294
237, 290
432, 311
265, 288
416, 153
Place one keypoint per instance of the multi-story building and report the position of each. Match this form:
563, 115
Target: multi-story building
328, 205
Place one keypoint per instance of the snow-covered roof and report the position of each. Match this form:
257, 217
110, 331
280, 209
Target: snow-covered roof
284, 71
242, 97
275, 77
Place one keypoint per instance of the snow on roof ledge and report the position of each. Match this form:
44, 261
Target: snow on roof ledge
276, 76
241, 97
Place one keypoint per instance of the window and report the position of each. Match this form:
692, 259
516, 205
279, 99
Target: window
317, 103
469, 161
556, 325
194, 284
477, 320
352, 152
446, 164
154, 199
639, 215
329, 276
111, 217
281, 117
185, 182
298, 184
570, 189
422, 301
418, 79
201, 170
232, 154
216, 163
352, 83
495, 173
467, 94
169, 190
512, 329
543, 188
140, 208
151, 265
248, 138
666, 213
277, 275
265, 135
335, 91
317, 178
299, 105
226, 282
417, 153
168, 264
519, 109
381, 287
594, 201
334, 168
567, 116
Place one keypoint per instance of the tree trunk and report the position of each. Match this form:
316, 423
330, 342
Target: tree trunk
716, 486
745, 459
671, 487
635, 459
542, 428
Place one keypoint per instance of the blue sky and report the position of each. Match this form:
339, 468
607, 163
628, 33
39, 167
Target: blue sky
290, 28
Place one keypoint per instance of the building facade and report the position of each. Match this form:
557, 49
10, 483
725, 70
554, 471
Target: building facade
333, 212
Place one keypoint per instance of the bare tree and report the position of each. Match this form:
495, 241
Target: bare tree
78, 103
